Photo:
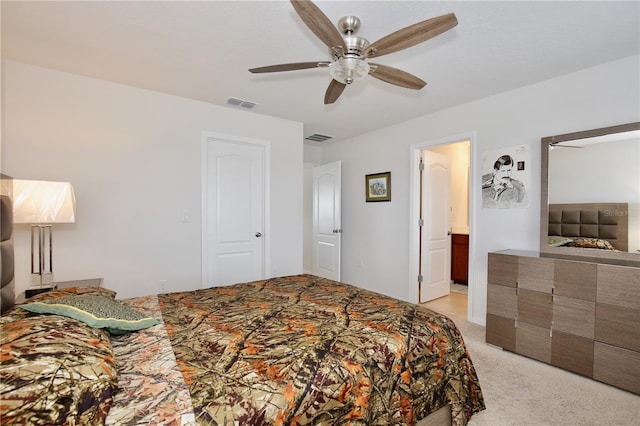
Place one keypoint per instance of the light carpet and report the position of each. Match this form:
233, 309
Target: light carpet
521, 391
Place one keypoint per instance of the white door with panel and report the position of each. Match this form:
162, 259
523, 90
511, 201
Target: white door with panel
436, 229
327, 228
233, 212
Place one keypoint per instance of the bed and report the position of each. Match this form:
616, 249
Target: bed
290, 350
602, 226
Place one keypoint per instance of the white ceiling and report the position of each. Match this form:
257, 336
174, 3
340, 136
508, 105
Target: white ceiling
202, 50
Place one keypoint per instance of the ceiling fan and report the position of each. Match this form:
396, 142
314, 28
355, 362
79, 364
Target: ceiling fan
350, 52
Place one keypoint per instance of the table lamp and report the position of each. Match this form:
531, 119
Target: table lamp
41, 204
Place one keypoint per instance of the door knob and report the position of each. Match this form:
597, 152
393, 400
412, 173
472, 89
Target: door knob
258, 234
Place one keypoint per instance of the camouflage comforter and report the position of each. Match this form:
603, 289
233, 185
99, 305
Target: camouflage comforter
307, 350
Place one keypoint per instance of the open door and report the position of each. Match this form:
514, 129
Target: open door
327, 228
435, 263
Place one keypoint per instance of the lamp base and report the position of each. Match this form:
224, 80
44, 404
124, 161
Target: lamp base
41, 280
41, 258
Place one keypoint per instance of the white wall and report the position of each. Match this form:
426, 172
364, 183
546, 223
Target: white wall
312, 154
577, 174
312, 157
307, 259
377, 234
134, 158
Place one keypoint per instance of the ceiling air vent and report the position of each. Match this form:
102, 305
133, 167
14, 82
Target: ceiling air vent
317, 137
247, 104
241, 103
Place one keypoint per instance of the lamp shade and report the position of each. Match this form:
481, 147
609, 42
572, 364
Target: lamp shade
38, 201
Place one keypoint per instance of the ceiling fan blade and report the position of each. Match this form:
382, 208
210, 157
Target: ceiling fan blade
289, 67
396, 76
556, 145
334, 91
321, 26
411, 35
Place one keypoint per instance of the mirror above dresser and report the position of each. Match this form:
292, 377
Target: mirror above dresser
590, 205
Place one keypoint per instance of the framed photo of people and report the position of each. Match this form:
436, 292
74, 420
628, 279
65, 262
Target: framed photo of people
506, 177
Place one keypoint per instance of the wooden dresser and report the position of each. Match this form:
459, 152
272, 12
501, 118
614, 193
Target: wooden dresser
577, 315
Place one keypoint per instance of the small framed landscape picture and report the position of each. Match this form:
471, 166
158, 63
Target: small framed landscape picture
378, 187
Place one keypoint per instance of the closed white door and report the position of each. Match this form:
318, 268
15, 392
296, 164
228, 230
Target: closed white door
327, 228
436, 231
233, 212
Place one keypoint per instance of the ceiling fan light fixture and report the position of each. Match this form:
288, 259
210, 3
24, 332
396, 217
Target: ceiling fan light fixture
347, 70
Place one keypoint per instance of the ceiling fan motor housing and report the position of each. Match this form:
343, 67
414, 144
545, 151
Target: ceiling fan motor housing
349, 66
354, 44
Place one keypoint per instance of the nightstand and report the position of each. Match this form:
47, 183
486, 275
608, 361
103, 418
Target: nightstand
91, 282
32, 291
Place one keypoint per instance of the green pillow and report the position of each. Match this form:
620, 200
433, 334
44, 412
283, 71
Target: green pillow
95, 311
557, 241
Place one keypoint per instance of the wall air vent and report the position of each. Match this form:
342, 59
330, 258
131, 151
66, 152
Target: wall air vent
317, 137
241, 103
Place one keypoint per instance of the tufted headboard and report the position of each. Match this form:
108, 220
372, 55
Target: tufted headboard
7, 283
605, 221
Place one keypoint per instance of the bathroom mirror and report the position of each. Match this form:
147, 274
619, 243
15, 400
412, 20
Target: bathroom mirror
590, 189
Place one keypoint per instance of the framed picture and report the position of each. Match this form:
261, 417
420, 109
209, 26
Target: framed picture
378, 187
506, 178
